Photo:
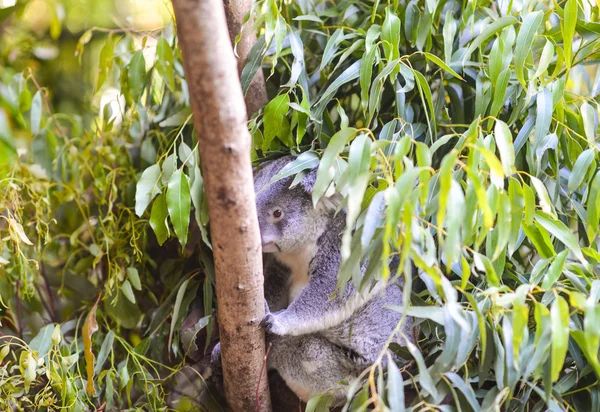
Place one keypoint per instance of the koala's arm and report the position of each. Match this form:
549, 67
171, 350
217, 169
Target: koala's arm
276, 282
314, 309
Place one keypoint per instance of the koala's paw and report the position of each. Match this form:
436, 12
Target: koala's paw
215, 355
272, 325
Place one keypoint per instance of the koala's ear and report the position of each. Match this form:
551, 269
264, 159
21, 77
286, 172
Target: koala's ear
308, 182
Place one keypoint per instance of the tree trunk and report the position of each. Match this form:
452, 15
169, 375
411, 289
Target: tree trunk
224, 145
235, 11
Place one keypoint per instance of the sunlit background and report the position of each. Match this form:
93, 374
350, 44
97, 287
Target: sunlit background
49, 32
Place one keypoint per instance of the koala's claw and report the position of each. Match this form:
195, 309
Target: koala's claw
215, 356
268, 322
272, 325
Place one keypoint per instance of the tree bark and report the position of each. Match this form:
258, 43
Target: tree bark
224, 145
235, 11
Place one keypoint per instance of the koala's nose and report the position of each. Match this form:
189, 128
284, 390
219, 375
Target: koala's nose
268, 241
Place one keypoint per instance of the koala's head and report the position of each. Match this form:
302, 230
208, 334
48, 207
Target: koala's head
286, 216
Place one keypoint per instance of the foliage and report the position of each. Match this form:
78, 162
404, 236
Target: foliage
91, 304
461, 135
440, 122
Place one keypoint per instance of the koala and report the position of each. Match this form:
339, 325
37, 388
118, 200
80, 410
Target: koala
319, 336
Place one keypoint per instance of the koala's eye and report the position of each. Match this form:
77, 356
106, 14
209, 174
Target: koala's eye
277, 213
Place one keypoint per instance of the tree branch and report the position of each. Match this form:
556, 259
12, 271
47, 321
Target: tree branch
224, 144
235, 11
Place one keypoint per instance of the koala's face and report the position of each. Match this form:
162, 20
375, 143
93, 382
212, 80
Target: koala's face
286, 217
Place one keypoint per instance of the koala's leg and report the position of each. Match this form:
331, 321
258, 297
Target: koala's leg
311, 364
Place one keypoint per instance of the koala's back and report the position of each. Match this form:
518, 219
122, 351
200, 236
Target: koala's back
367, 325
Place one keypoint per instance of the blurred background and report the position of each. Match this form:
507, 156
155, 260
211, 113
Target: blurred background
47, 35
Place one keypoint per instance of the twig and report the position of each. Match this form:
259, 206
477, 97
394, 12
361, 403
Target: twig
54, 120
19, 324
262, 369
45, 304
47, 286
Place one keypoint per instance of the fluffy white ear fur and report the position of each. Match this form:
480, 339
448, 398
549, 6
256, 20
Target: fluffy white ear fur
329, 204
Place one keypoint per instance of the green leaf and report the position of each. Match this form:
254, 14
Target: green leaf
390, 34
544, 114
455, 212
319, 403
593, 208
309, 17
465, 388
253, 63
562, 233
568, 30
275, 119
580, 169
42, 342
395, 387
449, 32
303, 116
559, 314
540, 240
358, 169
178, 204
494, 165
158, 219
326, 170
331, 48
482, 261
280, 34
445, 181
545, 59
504, 142
306, 160
136, 73
590, 125
147, 188
347, 75
134, 278
105, 350
128, 291
298, 63
426, 98
178, 119
186, 155
531, 24
500, 92
366, 72
424, 28
543, 196
105, 62
488, 32
555, 270
517, 206
164, 62
36, 112
440, 63
176, 307
425, 378
496, 60
503, 227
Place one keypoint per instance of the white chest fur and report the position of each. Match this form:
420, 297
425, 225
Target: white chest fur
298, 262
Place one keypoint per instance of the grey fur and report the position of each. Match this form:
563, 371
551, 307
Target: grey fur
318, 340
